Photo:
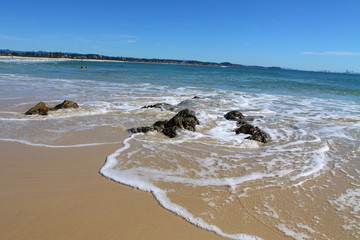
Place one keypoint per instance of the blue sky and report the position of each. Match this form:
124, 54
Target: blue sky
300, 34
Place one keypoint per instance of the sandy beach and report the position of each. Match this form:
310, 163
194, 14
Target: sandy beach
18, 58
302, 184
9, 58
57, 193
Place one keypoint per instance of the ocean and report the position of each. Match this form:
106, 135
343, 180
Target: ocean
303, 183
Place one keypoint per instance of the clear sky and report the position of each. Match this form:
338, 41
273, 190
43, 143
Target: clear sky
300, 34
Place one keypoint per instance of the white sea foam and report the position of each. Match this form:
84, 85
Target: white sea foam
306, 134
295, 154
292, 233
109, 170
349, 200
54, 146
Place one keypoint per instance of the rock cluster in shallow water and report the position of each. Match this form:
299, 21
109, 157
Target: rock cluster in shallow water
185, 119
256, 133
246, 128
42, 109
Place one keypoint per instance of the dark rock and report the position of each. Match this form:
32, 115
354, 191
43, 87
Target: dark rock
132, 130
190, 122
241, 122
159, 125
244, 120
185, 119
39, 109
196, 97
170, 131
234, 115
141, 129
162, 106
256, 133
66, 104
246, 128
42, 109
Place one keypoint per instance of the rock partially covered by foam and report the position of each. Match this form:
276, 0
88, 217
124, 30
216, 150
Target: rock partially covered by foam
170, 132
246, 128
141, 129
39, 109
162, 106
66, 104
185, 119
42, 109
159, 125
256, 133
234, 115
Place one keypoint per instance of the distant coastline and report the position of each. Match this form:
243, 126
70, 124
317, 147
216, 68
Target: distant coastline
78, 56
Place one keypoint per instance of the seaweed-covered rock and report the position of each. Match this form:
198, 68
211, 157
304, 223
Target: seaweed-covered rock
256, 133
234, 115
66, 104
162, 106
39, 109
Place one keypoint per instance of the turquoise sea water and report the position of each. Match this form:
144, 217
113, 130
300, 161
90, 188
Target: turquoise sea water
312, 118
284, 82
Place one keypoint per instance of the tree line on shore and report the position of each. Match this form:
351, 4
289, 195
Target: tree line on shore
42, 54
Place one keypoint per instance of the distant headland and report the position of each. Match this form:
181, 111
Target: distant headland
79, 56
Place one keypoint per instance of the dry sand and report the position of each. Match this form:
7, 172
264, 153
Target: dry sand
57, 193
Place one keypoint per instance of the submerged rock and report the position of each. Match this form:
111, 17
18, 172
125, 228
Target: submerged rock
141, 129
39, 109
244, 120
256, 133
162, 106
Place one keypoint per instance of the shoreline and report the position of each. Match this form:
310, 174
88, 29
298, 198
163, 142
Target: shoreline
15, 58
277, 191
58, 193
138, 60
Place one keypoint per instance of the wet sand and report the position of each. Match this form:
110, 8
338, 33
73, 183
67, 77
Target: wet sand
57, 193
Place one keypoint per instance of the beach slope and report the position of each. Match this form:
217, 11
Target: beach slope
57, 193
